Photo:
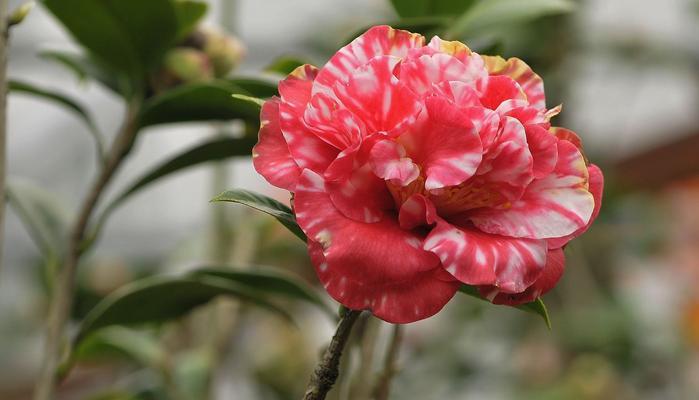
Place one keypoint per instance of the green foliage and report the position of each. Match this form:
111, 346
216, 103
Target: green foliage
423, 8
84, 68
256, 87
188, 14
45, 220
535, 307
163, 298
285, 65
271, 282
198, 102
494, 13
265, 204
138, 346
65, 101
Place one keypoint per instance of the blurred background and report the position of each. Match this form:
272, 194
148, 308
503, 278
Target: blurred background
625, 316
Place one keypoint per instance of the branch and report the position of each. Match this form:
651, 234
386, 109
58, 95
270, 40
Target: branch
327, 370
383, 386
3, 115
62, 295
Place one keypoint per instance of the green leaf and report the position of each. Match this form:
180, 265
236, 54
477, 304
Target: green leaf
188, 14
265, 204
65, 101
271, 282
256, 87
253, 100
285, 65
493, 13
535, 307
83, 68
161, 298
199, 102
45, 220
423, 8
426, 26
139, 346
127, 35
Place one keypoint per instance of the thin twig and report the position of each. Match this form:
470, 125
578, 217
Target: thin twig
383, 386
62, 294
327, 371
3, 114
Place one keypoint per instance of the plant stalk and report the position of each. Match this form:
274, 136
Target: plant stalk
63, 289
4, 29
383, 386
327, 371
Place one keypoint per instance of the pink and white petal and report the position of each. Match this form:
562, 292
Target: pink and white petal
416, 211
554, 206
447, 147
552, 273
388, 161
373, 253
542, 145
522, 111
475, 64
477, 258
531, 83
596, 187
377, 41
270, 156
509, 160
378, 98
396, 301
305, 147
497, 89
295, 89
461, 94
421, 73
334, 125
362, 196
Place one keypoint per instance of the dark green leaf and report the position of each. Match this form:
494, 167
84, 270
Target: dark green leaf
535, 307
426, 26
494, 13
188, 14
127, 35
139, 346
424, 8
45, 220
265, 204
285, 65
83, 68
256, 87
199, 102
65, 101
159, 299
272, 282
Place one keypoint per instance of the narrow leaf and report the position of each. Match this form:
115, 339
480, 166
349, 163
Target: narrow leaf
256, 87
272, 282
188, 14
249, 99
83, 68
45, 220
535, 307
139, 346
199, 102
159, 299
285, 65
65, 101
493, 13
265, 204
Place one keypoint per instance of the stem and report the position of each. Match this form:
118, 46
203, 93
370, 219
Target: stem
62, 294
327, 371
4, 33
383, 387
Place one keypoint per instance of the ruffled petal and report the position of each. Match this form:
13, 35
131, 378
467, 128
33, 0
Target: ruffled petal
477, 258
389, 162
270, 156
498, 89
416, 211
542, 145
377, 41
399, 302
552, 273
421, 73
447, 147
596, 188
378, 98
551, 207
334, 125
531, 83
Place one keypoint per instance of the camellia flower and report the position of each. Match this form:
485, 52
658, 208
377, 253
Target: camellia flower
417, 168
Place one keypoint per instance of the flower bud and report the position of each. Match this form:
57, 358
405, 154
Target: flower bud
224, 51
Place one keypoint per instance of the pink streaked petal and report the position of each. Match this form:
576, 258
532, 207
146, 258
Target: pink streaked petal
554, 206
461, 94
596, 188
295, 89
522, 111
474, 63
362, 196
416, 211
497, 89
377, 41
477, 258
552, 273
420, 74
270, 156
542, 145
336, 126
531, 83
399, 301
376, 96
305, 147
572, 137
389, 162
447, 147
